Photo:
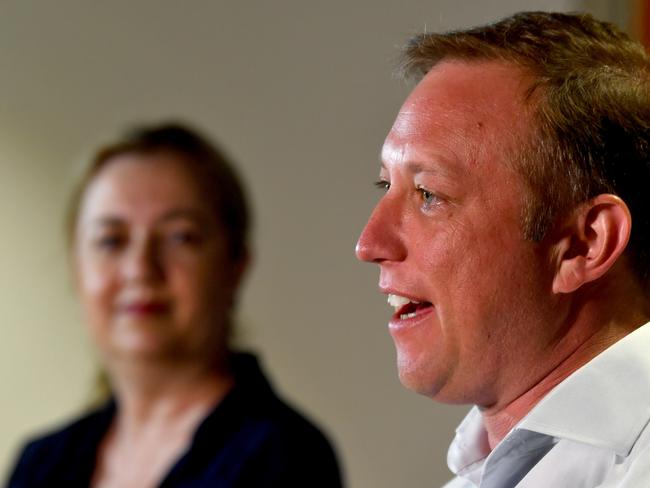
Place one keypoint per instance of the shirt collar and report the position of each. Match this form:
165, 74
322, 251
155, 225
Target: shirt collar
469, 448
605, 402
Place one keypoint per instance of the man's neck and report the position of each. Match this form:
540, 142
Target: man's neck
499, 421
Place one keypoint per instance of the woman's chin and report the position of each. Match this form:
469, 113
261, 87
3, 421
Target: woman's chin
144, 347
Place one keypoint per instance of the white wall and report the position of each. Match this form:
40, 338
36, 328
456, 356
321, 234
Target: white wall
300, 93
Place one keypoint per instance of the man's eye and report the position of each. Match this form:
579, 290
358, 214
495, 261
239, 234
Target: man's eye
382, 185
429, 199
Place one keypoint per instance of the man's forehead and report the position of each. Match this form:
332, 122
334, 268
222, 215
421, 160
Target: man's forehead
459, 104
416, 159
476, 87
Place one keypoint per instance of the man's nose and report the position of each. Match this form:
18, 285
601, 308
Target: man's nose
381, 239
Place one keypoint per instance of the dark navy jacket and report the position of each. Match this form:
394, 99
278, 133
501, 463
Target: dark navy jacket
251, 439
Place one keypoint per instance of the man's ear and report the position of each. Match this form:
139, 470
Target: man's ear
593, 239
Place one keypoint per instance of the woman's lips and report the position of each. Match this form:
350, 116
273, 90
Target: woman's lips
145, 308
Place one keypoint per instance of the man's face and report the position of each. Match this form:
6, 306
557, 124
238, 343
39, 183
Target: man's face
447, 234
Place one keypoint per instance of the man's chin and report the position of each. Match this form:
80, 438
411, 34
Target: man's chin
432, 383
417, 378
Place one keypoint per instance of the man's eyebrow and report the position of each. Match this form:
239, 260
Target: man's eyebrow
415, 167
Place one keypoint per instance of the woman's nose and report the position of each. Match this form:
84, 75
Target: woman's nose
142, 261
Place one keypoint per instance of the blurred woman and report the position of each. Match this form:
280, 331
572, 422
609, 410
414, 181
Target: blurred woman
159, 241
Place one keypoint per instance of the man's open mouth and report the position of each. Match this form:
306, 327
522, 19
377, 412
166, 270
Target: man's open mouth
407, 308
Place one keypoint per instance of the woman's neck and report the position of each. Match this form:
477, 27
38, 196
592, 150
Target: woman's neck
159, 410
151, 392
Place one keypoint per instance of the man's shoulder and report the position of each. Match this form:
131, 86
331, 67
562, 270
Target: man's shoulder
638, 461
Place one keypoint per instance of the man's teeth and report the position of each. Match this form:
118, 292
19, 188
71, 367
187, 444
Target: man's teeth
398, 302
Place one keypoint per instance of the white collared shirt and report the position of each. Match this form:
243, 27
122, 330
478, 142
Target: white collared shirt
590, 431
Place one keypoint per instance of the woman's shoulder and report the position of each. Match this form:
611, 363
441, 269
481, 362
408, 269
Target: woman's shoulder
256, 400
265, 441
48, 453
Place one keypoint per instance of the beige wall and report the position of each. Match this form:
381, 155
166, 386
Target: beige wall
300, 93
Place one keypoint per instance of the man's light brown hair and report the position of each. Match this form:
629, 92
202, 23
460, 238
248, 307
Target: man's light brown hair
590, 100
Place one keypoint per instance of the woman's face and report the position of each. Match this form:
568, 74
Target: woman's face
151, 262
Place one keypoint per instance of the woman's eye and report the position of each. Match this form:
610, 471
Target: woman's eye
185, 238
382, 185
109, 242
